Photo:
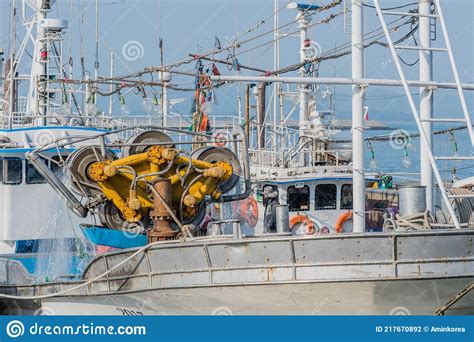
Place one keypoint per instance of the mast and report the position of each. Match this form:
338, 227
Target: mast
426, 101
41, 62
303, 20
96, 62
276, 63
357, 119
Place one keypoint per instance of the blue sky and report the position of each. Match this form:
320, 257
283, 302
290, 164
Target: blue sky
191, 27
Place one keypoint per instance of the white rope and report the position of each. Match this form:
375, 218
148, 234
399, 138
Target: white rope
418, 221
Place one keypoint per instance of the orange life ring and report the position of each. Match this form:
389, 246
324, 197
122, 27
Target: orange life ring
343, 218
303, 219
248, 210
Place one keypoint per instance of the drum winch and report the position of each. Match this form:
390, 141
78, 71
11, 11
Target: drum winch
153, 181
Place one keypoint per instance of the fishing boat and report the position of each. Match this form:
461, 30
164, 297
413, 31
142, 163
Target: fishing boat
149, 217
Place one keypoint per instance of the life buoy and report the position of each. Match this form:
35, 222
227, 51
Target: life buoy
303, 219
343, 218
248, 210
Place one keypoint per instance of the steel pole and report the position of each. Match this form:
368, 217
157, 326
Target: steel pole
303, 20
379, 82
426, 102
165, 103
358, 119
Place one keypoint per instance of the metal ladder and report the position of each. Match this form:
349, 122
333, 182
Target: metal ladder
423, 137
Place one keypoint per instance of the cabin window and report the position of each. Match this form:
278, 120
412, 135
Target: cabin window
298, 198
346, 196
32, 175
12, 171
325, 197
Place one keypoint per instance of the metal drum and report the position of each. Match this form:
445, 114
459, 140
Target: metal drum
411, 199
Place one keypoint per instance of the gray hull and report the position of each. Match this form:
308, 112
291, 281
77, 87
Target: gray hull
414, 297
410, 273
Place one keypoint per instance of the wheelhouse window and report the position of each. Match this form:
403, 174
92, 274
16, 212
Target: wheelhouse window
33, 176
12, 171
346, 196
325, 197
298, 198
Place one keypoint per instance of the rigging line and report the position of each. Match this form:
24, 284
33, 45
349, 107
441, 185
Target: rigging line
227, 48
392, 8
226, 83
216, 51
324, 57
263, 21
324, 21
368, 34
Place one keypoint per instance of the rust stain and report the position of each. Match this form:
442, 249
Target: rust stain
270, 271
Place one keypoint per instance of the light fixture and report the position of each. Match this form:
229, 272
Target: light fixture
373, 162
124, 111
91, 108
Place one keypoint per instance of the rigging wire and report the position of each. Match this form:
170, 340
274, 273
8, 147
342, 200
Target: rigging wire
391, 8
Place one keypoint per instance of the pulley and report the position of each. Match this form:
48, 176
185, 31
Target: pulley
78, 163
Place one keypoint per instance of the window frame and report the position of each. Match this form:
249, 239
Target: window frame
334, 200
292, 209
340, 197
5, 170
40, 180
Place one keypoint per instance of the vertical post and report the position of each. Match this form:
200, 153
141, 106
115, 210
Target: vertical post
96, 62
40, 66
247, 112
426, 103
304, 19
276, 65
111, 100
165, 79
261, 102
165, 104
357, 118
